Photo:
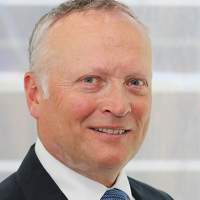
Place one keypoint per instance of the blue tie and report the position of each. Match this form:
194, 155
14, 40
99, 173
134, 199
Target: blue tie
114, 194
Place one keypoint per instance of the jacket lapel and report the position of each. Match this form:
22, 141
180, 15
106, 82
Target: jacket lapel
35, 182
136, 190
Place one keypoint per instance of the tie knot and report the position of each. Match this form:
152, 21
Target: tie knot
114, 194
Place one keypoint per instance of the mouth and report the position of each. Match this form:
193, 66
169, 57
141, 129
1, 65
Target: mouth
110, 131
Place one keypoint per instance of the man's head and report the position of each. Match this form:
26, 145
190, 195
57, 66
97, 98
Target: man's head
99, 105
40, 57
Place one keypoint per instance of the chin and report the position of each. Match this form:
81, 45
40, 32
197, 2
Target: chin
112, 161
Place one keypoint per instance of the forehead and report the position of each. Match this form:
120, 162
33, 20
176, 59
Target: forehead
93, 23
96, 36
94, 15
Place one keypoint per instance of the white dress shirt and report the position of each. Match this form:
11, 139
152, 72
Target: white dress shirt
74, 185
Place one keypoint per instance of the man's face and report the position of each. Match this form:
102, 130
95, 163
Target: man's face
99, 108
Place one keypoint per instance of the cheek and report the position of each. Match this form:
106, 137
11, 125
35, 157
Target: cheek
82, 106
142, 109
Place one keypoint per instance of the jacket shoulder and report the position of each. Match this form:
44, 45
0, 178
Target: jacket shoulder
10, 189
148, 191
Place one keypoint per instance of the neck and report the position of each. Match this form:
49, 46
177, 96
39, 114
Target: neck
105, 176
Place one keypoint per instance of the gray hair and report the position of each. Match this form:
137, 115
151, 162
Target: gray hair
39, 56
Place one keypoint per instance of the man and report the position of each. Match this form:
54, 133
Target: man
89, 89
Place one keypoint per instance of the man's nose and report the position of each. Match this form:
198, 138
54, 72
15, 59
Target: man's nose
116, 102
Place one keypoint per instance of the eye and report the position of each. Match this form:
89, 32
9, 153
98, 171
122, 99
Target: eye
136, 82
90, 80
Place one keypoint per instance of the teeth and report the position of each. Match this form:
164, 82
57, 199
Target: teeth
110, 131
105, 130
116, 131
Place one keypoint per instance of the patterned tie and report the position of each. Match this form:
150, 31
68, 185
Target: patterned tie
114, 194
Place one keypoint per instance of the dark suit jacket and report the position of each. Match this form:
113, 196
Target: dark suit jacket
32, 182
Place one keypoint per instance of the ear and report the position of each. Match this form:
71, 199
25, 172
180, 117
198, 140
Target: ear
31, 88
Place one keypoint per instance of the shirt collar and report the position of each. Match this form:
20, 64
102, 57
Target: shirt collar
70, 182
122, 183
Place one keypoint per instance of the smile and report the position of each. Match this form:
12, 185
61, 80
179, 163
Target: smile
110, 131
